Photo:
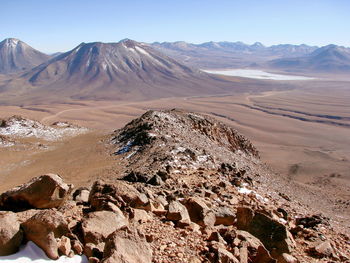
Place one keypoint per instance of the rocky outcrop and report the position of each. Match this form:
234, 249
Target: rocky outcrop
163, 143
11, 235
46, 191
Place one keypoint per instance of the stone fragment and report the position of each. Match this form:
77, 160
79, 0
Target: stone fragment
77, 247
64, 246
257, 253
287, 258
81, 195
140, 216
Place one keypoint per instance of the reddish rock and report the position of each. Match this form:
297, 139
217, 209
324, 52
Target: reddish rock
119, 193
77, 247
224, 216
99, 225
140, 216
199, 212
46, 191
225, 256
286, 258
64, 246
323, 249
125, 247
272, 233
81, 195
44, 228
10, 233
178, 212
257, 253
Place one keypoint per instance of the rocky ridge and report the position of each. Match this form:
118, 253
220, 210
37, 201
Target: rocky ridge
163, 210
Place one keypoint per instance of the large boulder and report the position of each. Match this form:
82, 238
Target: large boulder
46, 191
199, 212
273, 234
99, 225
44, 229
10, 233
122, 246
119, 193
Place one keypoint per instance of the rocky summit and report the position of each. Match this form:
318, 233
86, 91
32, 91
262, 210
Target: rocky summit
189, 189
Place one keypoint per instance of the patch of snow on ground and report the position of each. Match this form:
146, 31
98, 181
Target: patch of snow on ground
244, 190
32, 253
130, 155
18, 127
256, 74
125, 148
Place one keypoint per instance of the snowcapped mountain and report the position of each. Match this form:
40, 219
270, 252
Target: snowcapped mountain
16, 56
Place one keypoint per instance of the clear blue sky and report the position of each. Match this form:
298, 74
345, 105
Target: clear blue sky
60, 25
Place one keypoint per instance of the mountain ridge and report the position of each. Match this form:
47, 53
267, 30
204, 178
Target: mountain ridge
330, 58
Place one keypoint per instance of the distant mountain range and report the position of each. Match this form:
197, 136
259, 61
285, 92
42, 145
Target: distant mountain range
328, 59
123, 70
136, 71
229, 54
16, 56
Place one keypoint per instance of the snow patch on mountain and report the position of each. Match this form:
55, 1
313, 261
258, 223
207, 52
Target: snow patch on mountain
24, 128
